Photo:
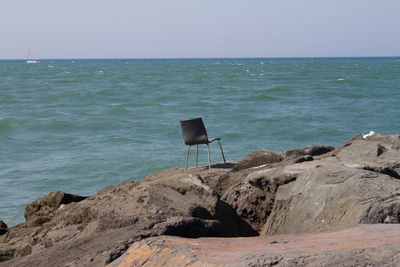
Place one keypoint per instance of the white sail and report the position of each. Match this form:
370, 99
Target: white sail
31, 60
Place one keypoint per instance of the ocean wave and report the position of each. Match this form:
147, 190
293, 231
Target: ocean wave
259, 97
277, 89
7, 124
118, 110
146, 104
56, 125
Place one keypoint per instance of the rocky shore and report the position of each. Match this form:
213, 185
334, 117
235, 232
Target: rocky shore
316, 193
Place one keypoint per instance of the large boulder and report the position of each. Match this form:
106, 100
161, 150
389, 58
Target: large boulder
377, 152
44, 208
340, 191
253, 197
257, 158
333, 196
100, 228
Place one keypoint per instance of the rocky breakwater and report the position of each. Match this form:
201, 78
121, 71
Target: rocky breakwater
307, 190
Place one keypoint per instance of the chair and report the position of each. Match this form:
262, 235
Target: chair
194, 133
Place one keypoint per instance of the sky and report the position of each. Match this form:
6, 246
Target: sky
198, 28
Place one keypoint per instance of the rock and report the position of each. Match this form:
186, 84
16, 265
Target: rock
190, 227
6, 255
307, 190
329, 195
37, 221
257, 158
23, 251
378, 150
314, 150
326, 191
218, 179
97, 228
3, 227
42, 209
253, 198
365, 245
384, 170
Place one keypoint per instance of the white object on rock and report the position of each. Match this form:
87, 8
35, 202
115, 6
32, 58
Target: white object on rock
371, 133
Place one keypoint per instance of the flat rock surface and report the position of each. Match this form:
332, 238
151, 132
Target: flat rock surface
363, 245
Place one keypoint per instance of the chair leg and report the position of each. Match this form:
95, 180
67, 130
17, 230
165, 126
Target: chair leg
222, 152
209, 164
197, 155
187, 158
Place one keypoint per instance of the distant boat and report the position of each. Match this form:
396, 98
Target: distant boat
31, 60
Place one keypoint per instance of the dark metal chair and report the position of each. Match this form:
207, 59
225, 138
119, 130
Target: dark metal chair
194, 133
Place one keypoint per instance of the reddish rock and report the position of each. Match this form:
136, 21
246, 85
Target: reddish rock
364, 245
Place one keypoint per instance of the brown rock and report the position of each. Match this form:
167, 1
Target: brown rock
257, 158
365, 245
253, 198
314, 150
101, 227
218, 179
6, 254
23, 251
3, 227
42, 209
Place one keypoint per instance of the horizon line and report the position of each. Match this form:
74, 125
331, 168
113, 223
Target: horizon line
189, 58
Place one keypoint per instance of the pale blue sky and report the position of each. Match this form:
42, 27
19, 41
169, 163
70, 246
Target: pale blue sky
198, 28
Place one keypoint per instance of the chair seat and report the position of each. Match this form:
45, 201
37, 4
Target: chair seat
214, 139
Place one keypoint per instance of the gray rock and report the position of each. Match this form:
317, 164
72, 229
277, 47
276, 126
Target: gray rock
314, 150
377, 150
328, 196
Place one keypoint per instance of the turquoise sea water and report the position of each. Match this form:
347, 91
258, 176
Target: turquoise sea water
79, 125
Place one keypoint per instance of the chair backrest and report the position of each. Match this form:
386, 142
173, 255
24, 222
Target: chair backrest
194, 132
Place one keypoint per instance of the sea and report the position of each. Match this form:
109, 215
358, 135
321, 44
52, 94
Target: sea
79, 125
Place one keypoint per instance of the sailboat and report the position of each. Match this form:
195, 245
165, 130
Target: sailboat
31, 60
